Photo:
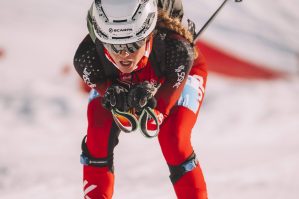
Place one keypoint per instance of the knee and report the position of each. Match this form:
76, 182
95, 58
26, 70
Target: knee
175, 146
172, 139
87, 159
178, 171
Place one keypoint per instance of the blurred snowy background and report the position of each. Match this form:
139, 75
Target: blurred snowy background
246, 137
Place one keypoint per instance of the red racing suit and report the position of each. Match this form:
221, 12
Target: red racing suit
181, 82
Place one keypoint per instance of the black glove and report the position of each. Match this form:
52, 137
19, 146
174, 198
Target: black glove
141, 96
115, 97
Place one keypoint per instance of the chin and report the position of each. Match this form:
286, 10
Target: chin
127, 70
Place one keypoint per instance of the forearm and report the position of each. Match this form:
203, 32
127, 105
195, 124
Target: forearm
179, 61
170, 91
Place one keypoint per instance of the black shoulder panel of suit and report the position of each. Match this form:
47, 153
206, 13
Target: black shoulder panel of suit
179, 52
157, 56
91, 63
170, 50
87, 63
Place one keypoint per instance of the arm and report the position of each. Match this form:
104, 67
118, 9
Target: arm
179, 59
88, 66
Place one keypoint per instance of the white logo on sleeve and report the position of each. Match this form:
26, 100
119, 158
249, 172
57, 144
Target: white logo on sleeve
86, 78
181, 76
88, 189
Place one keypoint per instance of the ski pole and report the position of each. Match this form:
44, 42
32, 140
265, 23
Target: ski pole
212, 18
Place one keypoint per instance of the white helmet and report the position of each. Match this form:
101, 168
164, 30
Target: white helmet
122, 21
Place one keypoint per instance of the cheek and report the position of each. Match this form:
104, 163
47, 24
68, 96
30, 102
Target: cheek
138, 54
114, 57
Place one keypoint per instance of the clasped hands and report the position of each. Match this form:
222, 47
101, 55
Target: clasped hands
135, 99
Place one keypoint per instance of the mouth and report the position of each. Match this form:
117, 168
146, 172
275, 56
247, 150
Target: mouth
126, 63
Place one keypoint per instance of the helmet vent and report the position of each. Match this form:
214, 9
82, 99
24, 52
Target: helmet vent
147, 24
98, 4
138, 11
120, 21
122, 37
98, 29
141, 31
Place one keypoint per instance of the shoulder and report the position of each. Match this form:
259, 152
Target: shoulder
172, 42
86, 49
87, 64
177, 47
173, 49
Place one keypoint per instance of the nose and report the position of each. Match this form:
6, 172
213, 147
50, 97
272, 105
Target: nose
124, 54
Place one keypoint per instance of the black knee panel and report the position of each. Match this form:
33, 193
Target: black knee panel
87, 159
176, 172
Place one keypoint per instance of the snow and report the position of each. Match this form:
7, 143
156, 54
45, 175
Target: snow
246, 136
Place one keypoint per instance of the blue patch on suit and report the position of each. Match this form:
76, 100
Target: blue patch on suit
93, 94
191, 94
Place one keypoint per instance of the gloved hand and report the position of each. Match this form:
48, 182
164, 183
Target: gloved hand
141, 96
115, 97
